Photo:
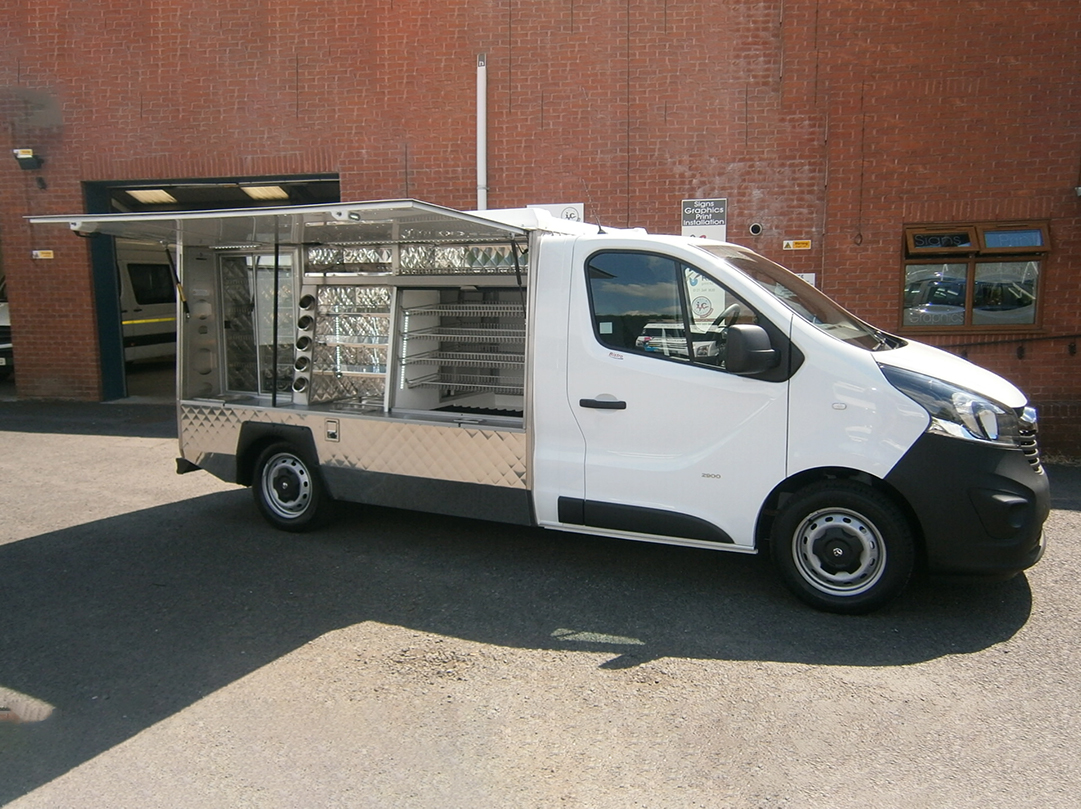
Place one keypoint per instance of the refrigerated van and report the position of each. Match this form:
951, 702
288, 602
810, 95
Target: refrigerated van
489, 365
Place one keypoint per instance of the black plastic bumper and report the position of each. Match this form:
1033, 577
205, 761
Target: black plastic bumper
981, 508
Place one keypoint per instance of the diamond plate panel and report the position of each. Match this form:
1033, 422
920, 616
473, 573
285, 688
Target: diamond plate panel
352, 334
207, 430
427, 259
354, 298
491, 457
351, 258
328, 388
440, 452
215, 429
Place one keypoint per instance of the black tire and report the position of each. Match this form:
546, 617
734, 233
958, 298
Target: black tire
841, 546
288, 490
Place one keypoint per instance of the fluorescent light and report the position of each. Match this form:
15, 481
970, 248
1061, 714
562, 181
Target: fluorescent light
265, 192
151, 196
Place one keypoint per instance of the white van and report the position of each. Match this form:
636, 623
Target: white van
147, 300
490, 365
7, 354
670, 339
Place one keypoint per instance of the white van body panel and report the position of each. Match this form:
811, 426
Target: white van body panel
665, 451
558, 443
925, 359
844, 412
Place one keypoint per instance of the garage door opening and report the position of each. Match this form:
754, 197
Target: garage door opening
135, 282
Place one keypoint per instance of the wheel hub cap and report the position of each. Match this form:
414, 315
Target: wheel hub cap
287, 486
837, 551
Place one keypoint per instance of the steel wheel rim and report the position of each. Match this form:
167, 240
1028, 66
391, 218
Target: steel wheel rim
287, 486
839, 552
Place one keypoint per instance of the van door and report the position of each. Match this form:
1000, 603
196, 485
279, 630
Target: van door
677, 449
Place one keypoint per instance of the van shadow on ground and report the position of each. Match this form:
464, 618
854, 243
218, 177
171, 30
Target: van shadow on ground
123, 622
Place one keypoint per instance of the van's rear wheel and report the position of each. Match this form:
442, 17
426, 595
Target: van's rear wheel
843, 547
287, 489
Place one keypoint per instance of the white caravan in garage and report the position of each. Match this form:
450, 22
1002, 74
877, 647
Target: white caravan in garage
494, 365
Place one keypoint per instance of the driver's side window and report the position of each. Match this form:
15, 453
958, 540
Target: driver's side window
655, 305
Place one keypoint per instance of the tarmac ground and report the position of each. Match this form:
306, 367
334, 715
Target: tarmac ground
160, 646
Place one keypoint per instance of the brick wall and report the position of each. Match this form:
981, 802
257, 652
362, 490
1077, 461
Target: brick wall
831, 120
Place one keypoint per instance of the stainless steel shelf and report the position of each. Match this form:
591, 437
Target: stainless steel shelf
466, 382
469, 310
474, 359
354, 340
353, 311
476, 334
353, 370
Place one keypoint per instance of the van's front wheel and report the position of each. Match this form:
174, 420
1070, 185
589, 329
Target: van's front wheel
287, 489
843, 547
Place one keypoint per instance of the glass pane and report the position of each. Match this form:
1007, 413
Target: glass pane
248, 299
935, 294
241, 367
941, 241
636, 303
1032, 237
802, 298
152, 283
284, 322
713, 308
1005, 293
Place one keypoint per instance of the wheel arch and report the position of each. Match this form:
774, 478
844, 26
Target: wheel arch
807, 477
256, 436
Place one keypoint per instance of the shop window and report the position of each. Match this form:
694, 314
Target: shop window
975, 275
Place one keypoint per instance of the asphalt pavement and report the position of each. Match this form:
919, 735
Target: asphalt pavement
160, 646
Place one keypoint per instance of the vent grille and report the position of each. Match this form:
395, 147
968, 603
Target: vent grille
1027, 440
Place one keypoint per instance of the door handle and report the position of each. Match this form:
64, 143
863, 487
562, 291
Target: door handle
603, 404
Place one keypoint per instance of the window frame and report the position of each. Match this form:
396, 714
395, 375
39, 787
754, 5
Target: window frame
972, 256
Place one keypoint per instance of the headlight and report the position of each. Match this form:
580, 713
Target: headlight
956, 411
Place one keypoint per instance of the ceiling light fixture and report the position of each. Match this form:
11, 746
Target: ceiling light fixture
265, 192
152, 196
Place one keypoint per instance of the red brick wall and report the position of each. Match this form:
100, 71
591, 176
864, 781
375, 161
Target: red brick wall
831, 120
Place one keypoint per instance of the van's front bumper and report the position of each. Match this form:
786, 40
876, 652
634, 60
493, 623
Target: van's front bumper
980, 507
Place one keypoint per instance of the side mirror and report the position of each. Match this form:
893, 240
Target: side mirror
749, 351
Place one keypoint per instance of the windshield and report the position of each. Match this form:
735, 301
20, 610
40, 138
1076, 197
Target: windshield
804, 299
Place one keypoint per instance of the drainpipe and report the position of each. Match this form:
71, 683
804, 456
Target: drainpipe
482, 132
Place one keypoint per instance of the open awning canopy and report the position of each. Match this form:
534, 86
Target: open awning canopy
344, 224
